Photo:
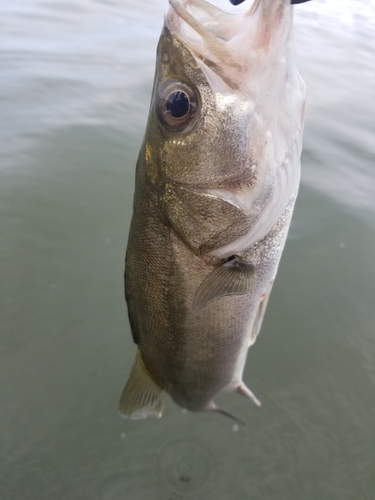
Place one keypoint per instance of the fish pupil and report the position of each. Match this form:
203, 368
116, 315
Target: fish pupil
178, 104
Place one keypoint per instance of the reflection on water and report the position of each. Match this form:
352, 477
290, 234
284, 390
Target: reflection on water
75, 87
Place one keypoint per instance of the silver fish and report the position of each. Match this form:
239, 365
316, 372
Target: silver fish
216, 182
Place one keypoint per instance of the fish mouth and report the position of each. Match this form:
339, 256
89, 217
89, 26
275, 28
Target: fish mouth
229, 46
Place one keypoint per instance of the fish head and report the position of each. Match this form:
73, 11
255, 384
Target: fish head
194, 131
236, 77
200, 129
228, 104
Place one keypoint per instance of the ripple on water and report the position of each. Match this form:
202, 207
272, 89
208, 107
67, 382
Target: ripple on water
187, 468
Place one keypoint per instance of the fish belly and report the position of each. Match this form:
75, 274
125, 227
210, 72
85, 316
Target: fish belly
192, 355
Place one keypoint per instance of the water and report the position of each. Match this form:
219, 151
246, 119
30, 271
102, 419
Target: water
75, 83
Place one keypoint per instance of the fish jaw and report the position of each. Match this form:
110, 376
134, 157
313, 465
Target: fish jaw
239, 48
251, 60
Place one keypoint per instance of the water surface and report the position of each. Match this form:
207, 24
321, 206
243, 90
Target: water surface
75, 83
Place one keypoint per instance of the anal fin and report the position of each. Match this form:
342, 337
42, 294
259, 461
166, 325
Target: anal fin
142, 397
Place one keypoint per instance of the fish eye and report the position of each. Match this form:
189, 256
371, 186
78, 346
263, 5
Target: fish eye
177, 106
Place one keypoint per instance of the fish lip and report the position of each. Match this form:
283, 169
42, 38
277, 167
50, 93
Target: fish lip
209, 48
201, 24
218, 43
178, 4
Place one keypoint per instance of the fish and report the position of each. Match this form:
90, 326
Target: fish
215, 186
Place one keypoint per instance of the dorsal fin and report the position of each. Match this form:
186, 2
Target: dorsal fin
142, 397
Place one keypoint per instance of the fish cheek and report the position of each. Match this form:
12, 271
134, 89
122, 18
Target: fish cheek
202, 221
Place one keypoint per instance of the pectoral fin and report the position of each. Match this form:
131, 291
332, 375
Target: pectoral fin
234, 277
142, 397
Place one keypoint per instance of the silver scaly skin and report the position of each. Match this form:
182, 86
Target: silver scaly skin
216, 181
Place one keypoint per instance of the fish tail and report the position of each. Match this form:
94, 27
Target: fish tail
142, 397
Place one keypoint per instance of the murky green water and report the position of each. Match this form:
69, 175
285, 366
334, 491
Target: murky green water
75, 82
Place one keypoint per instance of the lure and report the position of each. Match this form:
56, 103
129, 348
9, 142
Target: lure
293, 2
